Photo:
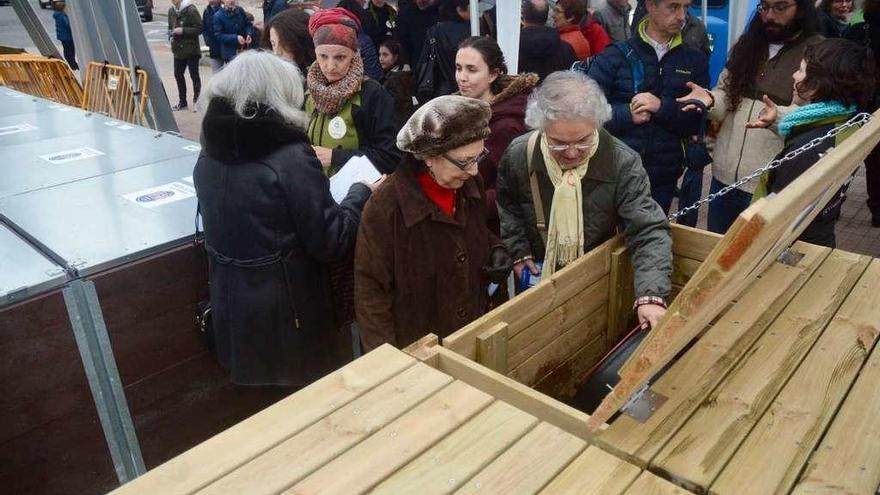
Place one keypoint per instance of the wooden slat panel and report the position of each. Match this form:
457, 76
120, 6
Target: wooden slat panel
296, 457
225, 452
512, 392
693, 243
693, 376
392, 447
847, 461
621, 295
698, 452
754, 241
594, 472
568, 315
650, 484
529, 465
492, 348
458, 457
533, 304
773, 455
554, 354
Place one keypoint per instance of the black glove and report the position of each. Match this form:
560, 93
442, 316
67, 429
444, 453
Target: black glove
500, 265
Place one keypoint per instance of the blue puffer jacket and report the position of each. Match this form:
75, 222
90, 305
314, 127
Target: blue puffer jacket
659, 140
62, 26
208, 30
228, 26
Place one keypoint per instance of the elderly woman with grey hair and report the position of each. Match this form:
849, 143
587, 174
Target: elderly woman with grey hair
271, 227
569, 185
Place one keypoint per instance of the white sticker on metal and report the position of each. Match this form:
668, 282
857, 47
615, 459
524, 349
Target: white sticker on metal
161, 195
71, 155
15, 129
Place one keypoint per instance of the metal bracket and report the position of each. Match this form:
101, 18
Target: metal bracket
789, 257
93, 342
642, 405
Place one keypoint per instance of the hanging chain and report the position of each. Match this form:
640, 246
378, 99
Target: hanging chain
857, 120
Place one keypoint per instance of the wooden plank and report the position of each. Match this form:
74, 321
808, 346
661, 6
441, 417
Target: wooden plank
557, 352
296, 457
421, 349
692, 243
773, 455
239, 444
512, 392
492, 348
693, 376
754, 241
392, 447
697, 453
846, 461
529, 464
594, 472
562, 319
457, 458
621, 295
683, 269
528, 307
562, 383
650, 484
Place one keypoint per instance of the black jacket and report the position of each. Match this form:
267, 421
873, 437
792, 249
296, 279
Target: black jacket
542, 51
271, 227
821, 229
447, 35
412, 26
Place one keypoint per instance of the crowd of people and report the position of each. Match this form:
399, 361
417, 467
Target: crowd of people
486, 175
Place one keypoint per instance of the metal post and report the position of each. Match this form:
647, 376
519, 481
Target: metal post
509, 16
135, 88
705, 6
34, 27
93, 342
475, 17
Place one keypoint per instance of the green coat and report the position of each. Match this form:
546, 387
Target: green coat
186, 45
617, 198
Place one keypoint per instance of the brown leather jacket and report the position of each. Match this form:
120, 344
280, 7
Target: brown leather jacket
418, 271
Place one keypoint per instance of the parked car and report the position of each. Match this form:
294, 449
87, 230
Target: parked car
145, 9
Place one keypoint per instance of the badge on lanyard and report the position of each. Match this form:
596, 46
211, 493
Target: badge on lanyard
337, 128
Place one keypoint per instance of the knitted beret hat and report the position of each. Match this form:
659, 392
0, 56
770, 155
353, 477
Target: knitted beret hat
334, 27
444, 123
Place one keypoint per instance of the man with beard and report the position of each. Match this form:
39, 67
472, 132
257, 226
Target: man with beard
868, 34
758, 72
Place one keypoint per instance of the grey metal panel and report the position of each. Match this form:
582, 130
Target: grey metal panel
91, 225
24, 272
57, 121
14, 102
41, 164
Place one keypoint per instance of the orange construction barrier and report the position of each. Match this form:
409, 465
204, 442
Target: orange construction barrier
107, 90
40, 76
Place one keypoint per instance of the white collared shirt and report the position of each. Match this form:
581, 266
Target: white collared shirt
660, 48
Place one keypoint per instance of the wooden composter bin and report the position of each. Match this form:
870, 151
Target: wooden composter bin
771, 383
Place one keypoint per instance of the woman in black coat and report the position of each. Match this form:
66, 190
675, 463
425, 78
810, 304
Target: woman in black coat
271, 227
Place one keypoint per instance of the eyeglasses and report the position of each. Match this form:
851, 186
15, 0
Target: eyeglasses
581, 146
468, 163
778, 8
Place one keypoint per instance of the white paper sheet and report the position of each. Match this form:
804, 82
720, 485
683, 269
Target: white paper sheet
358, 169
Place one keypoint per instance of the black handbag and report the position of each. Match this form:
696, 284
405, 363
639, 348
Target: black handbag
696, 154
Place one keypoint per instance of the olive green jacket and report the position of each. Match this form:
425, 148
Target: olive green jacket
617, 198
186, 45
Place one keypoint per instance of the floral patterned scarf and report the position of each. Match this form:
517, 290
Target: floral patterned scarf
330, 97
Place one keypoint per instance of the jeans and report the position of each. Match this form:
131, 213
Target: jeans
662, 192
180, 66
70, 54
724, 210
872, 177
691, 189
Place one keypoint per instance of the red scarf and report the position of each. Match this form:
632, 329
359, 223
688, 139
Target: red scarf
439, 195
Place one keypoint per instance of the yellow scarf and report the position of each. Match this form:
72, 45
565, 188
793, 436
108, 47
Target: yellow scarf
565, 233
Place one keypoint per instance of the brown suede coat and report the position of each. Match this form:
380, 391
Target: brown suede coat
418, 271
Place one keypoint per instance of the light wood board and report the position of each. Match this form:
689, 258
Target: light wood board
752, 243
698, 452
697, 373
594, 472
772, 456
